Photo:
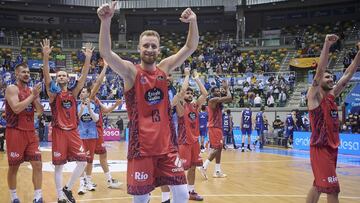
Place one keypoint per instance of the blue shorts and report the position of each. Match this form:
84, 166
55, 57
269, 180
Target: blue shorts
203, 132
289, 133
246, 131
259, 132
227, 133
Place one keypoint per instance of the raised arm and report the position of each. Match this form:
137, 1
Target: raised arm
12, 98
46, 50
85, 70
94, 116
340, 86
227, 99
202, 99
324, 57
192, 41
124, 68
107, 110
179, 97
98, 82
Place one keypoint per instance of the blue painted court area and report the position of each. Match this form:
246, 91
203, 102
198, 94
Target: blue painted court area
343, 159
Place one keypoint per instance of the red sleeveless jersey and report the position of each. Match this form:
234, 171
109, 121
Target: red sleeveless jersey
64, 111
25, 119
215, 116
99, 123
189, 124
324, 121
148, 106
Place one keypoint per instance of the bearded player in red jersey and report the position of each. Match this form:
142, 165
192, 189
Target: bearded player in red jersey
187, 110
152, 156
21, 142
324, 120
66, 142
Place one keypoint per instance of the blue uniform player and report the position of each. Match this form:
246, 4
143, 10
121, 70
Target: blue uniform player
290, 128
246, 127
259, 126
203, 119
228, 129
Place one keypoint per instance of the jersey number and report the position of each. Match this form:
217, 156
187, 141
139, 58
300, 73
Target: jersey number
155, 116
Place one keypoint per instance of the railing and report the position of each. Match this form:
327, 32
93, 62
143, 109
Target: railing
261, 42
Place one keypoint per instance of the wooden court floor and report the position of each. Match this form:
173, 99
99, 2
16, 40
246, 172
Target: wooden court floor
252, 177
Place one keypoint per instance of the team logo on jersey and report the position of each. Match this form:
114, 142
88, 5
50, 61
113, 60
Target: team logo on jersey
154, 96
86, 118
160, 77
192, 116
143, 80
66, 104
334, 114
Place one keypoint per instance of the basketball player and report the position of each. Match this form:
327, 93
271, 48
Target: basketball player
203, 119
259, 127
324, 120
100, 145
152, 157
189, 148
21, 142
290, 127
215, 129
66, 142
88, 115
246, 127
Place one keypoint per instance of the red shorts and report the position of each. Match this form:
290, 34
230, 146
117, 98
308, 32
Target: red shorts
146, 173
216, 138
89, 145
21, 146
66, 146
190, 155
100, 145
323, 164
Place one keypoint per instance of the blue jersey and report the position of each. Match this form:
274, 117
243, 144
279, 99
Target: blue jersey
246, 119
87, 127
203, 119
290, 124
259, 125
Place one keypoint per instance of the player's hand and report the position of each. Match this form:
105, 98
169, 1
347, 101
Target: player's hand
36, 90
106, 11
45, 45
187, 16
88, 49
331, 39
195, 74
224, 84
187, 71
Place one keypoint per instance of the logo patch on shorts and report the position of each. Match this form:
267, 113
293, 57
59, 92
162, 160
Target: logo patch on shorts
14, 154
57, 154
141, 176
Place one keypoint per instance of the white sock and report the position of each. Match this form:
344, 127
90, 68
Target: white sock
165, 196
58, 180
217, 167
191, 188
37, 194
13, 194
206, 163
79, 169
108, 176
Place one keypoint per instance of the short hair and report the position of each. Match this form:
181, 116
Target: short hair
23, 64
190, 89
149, 33
67, 74
228, 111
326, 71
213, 89
203, 107
88, 89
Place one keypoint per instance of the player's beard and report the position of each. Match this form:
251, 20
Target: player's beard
149, 60
188, 100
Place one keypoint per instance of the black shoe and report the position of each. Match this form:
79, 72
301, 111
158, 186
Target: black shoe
248, 149
242, 149
167, 201
62, 201
68, 194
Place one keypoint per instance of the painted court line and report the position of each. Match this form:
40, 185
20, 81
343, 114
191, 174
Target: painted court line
218, 195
